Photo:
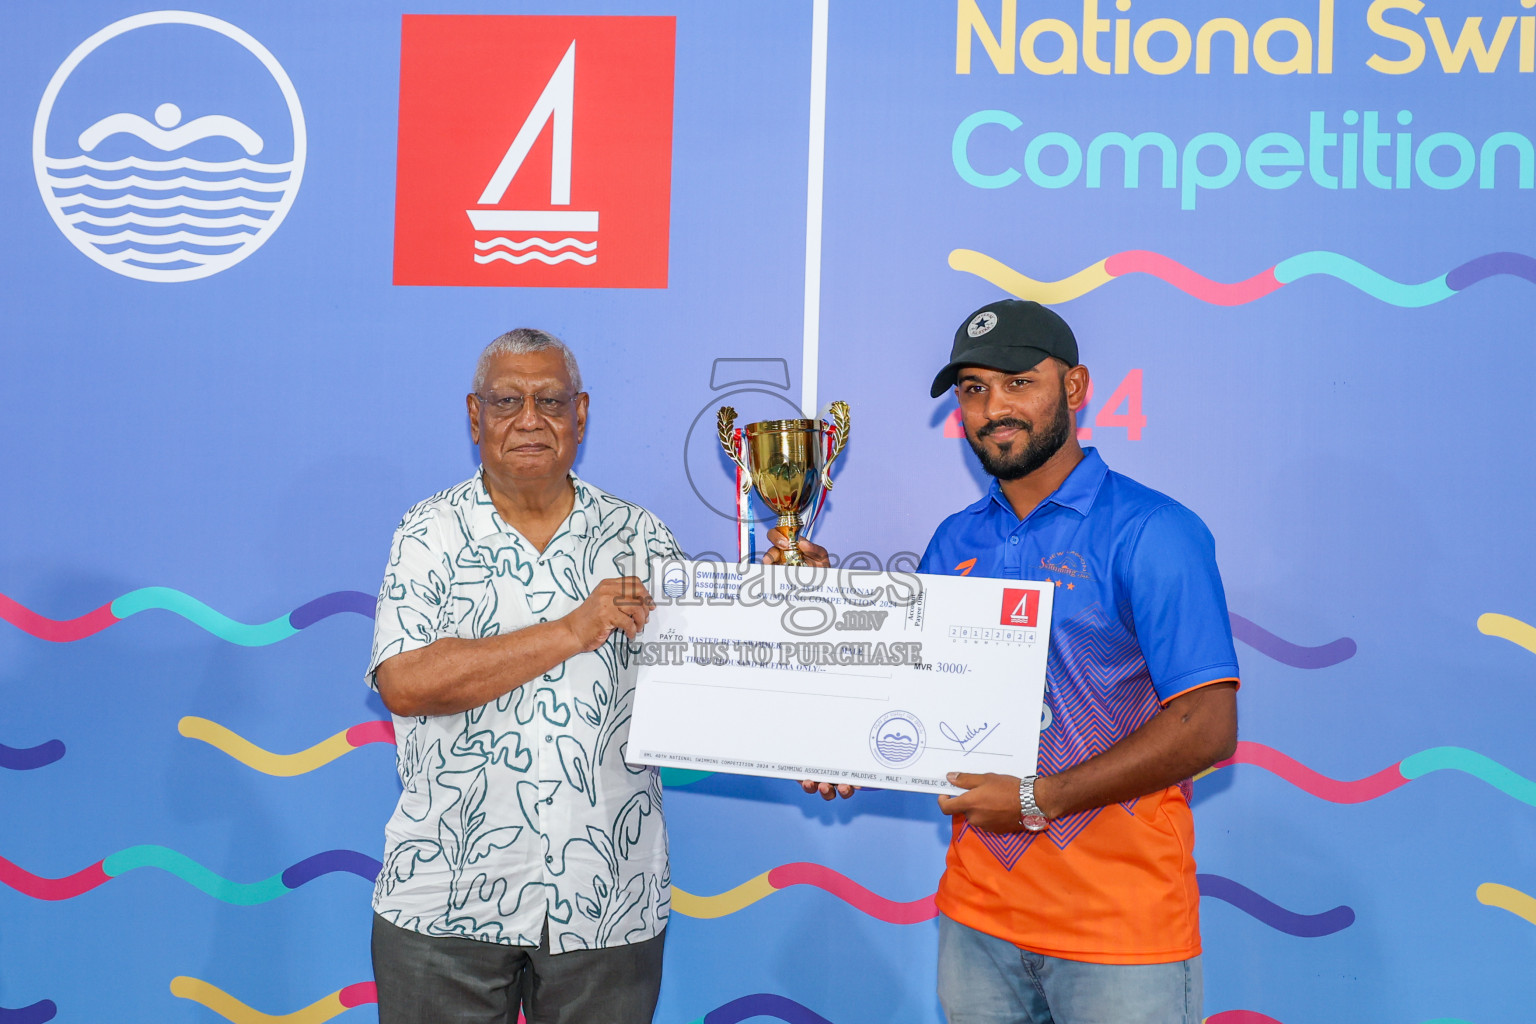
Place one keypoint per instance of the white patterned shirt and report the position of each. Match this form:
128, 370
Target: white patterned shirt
523, 810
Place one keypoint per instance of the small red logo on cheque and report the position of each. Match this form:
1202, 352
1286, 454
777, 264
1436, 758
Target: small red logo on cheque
1020, 607
534, 151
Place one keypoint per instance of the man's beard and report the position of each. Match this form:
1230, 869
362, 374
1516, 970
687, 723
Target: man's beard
1036, 452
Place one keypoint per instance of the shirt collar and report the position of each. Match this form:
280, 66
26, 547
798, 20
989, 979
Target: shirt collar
1076, 492
485, 521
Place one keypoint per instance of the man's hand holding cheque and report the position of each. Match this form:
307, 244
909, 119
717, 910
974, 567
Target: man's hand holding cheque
990, 801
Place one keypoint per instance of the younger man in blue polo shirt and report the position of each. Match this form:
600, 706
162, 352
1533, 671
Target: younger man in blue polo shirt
1070, 897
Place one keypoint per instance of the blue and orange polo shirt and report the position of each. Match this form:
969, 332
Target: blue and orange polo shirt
1139, 618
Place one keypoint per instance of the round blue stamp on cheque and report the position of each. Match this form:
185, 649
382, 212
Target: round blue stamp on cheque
897, 739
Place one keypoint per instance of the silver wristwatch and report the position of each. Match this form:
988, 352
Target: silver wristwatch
1029, 811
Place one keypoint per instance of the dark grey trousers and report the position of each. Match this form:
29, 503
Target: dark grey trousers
429, 979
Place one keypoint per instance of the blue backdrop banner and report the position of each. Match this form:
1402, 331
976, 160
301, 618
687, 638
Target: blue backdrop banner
254, 248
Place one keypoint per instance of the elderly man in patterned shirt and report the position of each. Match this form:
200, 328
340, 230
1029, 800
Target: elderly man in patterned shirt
526, 862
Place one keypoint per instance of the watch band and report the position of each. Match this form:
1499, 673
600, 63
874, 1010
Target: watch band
1029, 811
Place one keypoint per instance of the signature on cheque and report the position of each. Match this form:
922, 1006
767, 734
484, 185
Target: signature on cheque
967, 737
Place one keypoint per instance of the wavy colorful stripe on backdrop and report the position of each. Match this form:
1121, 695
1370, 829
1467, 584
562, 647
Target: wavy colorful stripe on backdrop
22, 759
1415, 766
1505, 897
319, 755
287, 765
1286, 653
190, 608
1254, 1017
1339, 791
915, 911
762, 1004
32, 1013
1507, 627
190, 871
685, 903
1237, 293
359, 603
232, 1009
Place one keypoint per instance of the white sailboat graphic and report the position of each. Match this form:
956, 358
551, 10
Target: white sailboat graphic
556, 105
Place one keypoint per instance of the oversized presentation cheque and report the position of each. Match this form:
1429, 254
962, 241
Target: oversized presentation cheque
882, 679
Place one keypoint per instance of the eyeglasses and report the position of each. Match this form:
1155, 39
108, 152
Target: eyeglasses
549, 404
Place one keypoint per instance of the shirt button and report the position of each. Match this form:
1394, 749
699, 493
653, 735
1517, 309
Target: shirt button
1013, 540
549, 860
548, 801
549, 739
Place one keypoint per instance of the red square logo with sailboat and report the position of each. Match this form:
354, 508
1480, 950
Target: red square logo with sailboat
1020, 607
534, 151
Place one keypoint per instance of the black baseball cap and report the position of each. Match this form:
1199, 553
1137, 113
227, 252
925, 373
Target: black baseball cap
1011, 335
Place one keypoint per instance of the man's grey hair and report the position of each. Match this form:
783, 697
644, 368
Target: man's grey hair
520, 342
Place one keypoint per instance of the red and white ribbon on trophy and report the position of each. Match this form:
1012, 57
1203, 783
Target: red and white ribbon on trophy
746, 535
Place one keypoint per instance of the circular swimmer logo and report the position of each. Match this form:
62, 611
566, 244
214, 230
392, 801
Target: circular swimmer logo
674, 583
177, 151
897, 740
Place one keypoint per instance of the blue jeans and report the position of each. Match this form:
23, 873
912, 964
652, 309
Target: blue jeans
986, 980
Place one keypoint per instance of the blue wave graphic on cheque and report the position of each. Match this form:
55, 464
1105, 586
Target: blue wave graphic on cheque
168, 214
896, 748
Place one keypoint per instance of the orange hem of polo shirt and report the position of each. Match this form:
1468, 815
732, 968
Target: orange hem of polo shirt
1192, 689
1081, 955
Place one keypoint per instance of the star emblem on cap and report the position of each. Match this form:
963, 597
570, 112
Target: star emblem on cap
981, 323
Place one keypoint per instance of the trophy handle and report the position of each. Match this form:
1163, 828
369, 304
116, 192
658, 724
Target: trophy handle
745, 540
726, 422
839, 431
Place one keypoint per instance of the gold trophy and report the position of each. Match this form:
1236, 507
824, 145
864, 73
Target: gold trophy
784, 460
